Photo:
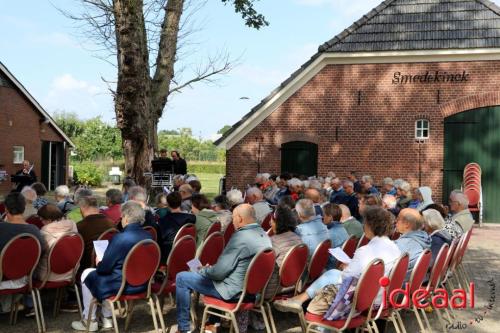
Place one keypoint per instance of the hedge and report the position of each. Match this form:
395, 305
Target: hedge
206, 167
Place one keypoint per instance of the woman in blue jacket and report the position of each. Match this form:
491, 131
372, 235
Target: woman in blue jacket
105, 280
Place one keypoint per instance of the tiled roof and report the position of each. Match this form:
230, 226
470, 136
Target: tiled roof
406, 25
396, 25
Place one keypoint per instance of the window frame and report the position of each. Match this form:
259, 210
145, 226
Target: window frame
15, 155
422, 125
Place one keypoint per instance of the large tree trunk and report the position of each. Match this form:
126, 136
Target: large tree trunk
140, 99
133, 92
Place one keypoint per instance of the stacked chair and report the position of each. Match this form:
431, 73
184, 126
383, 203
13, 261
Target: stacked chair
471, 186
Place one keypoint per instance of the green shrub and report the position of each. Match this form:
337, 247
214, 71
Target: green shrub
87, 173
206, 167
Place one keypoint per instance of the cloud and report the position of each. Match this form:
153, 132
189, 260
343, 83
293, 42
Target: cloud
85, 98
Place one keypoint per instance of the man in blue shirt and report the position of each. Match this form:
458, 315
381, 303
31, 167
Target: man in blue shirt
311, 229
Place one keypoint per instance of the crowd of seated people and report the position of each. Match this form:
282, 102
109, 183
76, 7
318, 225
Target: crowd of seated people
299, 210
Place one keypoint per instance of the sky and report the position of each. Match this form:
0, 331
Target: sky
48, 54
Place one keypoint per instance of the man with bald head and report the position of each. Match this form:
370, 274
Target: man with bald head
225, 279
314, 195
413, 239
351, 224
256, 199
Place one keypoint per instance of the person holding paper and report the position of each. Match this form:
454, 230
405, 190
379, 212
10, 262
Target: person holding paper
377, 227
225, 279
105, 280
94, 223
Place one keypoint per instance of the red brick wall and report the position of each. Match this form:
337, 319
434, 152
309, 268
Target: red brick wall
20, 126
375, 137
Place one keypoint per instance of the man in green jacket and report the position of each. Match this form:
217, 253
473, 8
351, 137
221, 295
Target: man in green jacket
351, 225
225, 279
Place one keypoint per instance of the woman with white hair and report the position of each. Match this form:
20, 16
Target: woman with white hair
234, 197
433, 225
403, 190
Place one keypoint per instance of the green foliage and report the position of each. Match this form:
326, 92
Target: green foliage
191, 148
224, 129
206, 167
94, 139
248, 13
88, 173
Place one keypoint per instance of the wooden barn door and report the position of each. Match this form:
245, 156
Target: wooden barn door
474, 136
299, 157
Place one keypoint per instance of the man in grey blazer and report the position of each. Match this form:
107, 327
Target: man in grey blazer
225, 279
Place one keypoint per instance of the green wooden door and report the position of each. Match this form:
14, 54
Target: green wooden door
474, 136
299, 157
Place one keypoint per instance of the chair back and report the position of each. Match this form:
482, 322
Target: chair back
258, 275
214, 227
187, 229
349, 246
368, 286
266, 223
108, 234
35, 220
19, 258
211, 249
420, 270
183, 251
293, 265
2, 208
228, 233
65, 255
449, 258
398, 273
362, 242
395, 235
438, 267
473, 195
140, 265
318, 260
152, 231
463, 246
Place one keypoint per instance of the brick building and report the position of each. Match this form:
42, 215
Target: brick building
411, 90
28, 132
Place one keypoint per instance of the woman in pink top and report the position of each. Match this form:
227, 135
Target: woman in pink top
55, 226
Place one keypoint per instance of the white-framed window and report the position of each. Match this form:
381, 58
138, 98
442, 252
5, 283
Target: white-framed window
422, 129
18, 154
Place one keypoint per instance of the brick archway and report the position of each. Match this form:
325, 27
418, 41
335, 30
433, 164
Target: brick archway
296, 136
469, 103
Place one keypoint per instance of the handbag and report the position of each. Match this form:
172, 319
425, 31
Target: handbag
321, 302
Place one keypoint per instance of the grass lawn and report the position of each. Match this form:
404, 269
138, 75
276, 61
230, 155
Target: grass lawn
209, 183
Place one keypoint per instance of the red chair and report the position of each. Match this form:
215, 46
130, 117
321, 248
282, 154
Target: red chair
215, 227
2, 208
35, 220
436, 272
417, 277
362, 242
139, 268
18, 259
396, 277
106, 235
462, 275
152, 231
64, 256
266, 223
364, 295
211, 249
349, 246
256, 279
187, 229
291, 270
183, 251
318, 262
228, 233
